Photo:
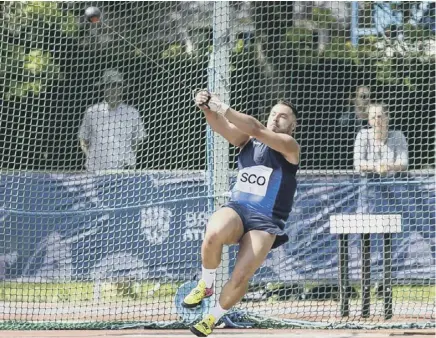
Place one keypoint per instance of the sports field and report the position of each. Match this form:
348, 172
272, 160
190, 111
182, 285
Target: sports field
77, 302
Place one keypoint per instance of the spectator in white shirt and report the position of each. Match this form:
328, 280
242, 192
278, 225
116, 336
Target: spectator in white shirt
378, 149
379, 153
111, 130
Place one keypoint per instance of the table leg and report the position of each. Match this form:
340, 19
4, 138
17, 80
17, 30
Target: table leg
366, 275
344, 283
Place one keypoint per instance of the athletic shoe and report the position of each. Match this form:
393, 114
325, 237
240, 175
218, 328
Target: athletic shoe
204, 327
197, 295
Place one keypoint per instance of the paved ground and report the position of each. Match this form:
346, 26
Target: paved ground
224, 333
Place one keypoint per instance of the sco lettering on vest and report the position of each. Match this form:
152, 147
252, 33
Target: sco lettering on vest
254, 180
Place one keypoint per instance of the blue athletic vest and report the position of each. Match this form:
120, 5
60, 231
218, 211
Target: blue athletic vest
266, 182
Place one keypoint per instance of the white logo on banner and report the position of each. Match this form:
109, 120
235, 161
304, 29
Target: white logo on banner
155, 224
195, 226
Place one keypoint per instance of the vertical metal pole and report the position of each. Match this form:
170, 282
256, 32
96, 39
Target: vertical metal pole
354, 23
218, 147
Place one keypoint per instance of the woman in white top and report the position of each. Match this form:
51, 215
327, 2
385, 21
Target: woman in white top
378, 149
378, 153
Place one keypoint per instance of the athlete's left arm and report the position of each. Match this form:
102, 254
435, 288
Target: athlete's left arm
283, 143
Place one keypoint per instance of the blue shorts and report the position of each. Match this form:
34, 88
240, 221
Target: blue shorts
252, 220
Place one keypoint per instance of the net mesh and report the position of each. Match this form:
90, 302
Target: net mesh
109, 172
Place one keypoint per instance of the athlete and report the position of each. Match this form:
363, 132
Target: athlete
260, 203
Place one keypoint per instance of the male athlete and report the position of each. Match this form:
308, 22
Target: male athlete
260, 204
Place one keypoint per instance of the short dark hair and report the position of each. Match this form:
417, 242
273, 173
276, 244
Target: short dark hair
290, 105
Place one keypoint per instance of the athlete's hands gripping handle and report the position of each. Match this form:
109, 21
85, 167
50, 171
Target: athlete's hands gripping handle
205, 99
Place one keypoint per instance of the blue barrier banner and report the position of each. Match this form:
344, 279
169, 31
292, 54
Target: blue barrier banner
150, 225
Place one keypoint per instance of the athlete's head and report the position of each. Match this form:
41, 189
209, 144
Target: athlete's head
283, 118
378, 116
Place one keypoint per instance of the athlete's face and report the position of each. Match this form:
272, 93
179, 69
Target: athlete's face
281, 119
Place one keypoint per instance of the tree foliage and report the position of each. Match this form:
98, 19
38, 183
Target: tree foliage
51, 60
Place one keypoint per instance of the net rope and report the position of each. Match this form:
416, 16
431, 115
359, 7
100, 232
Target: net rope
109, 172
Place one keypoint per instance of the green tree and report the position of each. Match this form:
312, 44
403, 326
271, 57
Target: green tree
27, 63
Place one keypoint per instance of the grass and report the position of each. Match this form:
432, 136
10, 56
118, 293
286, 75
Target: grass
81, 292
73, 292
425, 294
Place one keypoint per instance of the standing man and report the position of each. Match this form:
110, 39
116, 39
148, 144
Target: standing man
260, 204
356, 115
351, 121
111, 131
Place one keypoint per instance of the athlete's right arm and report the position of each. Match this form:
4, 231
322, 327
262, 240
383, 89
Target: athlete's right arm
226, 129
220, 124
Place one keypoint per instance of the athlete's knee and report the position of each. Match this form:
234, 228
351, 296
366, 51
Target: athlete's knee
216, 232
213, 237
224, 227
